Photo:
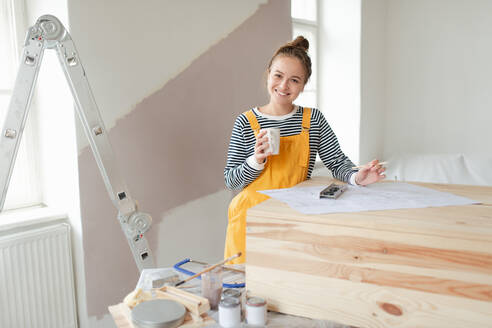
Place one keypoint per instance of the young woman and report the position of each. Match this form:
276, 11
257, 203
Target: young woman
304, 133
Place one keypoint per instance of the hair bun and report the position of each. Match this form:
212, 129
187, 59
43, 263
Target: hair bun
300, 42
297, 49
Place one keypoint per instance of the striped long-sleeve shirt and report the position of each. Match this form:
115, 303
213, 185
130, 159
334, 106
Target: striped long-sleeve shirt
240, 172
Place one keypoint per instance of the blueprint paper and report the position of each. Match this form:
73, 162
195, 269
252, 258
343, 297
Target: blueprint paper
375, 197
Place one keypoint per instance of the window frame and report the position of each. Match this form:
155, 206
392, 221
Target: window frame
313, 27
24, 188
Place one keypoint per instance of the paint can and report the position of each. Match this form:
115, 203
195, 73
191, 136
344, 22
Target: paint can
256, 311
229, 312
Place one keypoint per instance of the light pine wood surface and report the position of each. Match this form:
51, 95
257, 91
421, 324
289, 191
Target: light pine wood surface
426, 267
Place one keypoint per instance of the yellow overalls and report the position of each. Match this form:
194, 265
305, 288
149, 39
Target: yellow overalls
284, 170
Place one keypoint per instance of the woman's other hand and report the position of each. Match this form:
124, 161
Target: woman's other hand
370, 173
261, 147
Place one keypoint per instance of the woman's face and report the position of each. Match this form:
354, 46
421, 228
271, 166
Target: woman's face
285, 80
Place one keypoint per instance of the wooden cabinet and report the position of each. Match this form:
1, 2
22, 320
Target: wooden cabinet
426, 267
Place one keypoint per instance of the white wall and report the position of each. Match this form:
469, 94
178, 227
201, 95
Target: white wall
426, 88
438, 76
373, 79
339, 70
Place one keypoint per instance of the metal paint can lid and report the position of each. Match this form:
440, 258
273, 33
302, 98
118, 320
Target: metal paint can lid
229, 302
158, 314
255, 301
231, 292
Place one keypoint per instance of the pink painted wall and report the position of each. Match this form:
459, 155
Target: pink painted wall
172, 147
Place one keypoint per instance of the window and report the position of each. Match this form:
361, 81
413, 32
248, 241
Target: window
304, 22
24, 187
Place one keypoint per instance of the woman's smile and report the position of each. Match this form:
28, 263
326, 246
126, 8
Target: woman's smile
285, 80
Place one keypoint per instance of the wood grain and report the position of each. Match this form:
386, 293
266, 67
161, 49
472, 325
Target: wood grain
349, 249
358, 304
427, 267
378, 277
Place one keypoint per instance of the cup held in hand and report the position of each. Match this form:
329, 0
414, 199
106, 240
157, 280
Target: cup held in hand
273, 135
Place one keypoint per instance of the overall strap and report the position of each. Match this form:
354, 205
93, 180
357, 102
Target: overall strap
306, 119
255, 126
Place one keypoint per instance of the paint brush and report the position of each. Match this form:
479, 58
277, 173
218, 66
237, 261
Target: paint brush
362, 166
208, 269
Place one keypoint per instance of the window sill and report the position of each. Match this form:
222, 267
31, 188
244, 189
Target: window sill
30, 216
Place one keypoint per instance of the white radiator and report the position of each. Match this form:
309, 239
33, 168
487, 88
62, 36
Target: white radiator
36, 279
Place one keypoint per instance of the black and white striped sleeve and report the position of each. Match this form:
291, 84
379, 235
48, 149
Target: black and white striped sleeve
238, 173
331, 154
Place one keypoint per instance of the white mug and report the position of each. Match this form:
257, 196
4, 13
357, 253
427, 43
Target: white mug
273, 135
